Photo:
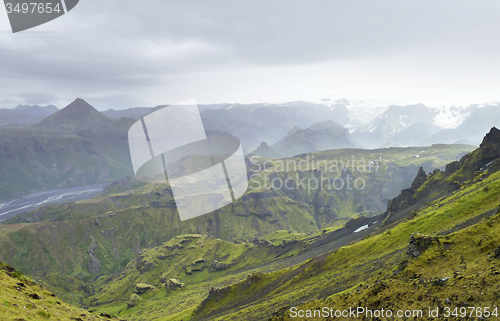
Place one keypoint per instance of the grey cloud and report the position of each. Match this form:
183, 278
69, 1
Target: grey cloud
108, 46
37, 98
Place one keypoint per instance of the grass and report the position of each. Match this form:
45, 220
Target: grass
55, 246
23, 299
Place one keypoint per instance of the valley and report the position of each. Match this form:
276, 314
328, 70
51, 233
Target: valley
321, 224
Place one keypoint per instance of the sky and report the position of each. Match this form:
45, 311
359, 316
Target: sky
122, 54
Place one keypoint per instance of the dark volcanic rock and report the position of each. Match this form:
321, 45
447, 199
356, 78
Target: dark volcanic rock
419, 179
419, 243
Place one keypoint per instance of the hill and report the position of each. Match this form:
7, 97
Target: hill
24, 299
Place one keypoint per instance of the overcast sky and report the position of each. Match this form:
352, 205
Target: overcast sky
120, 54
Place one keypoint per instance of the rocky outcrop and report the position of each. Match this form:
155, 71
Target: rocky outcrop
134, 300
419, 243
406, 198
173, 284
141, 288
265, 150
219, 266
144, 265
419, 179
122, 184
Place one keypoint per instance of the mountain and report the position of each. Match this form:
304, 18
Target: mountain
356, 113
75, 146
265, 150
257, 123
25, 114
398, 126
320, 136
478, 119
79, 115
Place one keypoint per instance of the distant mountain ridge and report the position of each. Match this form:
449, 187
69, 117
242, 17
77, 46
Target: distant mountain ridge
25, 114
370, 125
325, 135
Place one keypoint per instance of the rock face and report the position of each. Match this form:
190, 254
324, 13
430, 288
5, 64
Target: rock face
419, 243
141, 288
173, 284
94, 265
143, 264
405, 199
419, 179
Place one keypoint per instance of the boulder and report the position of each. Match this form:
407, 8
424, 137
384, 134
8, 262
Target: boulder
173, 284
141, 288
134, 300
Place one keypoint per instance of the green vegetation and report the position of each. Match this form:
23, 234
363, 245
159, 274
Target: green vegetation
22, 298
88, 251
76, 146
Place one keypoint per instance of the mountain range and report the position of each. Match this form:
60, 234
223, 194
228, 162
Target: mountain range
408, 228
370, 126
25, 114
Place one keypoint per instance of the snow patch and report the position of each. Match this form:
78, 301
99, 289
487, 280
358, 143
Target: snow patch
449, 117
362, 228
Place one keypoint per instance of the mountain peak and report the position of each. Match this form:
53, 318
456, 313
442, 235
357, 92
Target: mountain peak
492, 138
80, 104
78, 115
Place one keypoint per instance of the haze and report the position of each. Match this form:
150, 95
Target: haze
120, 54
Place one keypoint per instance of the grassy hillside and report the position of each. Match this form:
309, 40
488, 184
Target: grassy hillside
444, 255
70, 246
21, 298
